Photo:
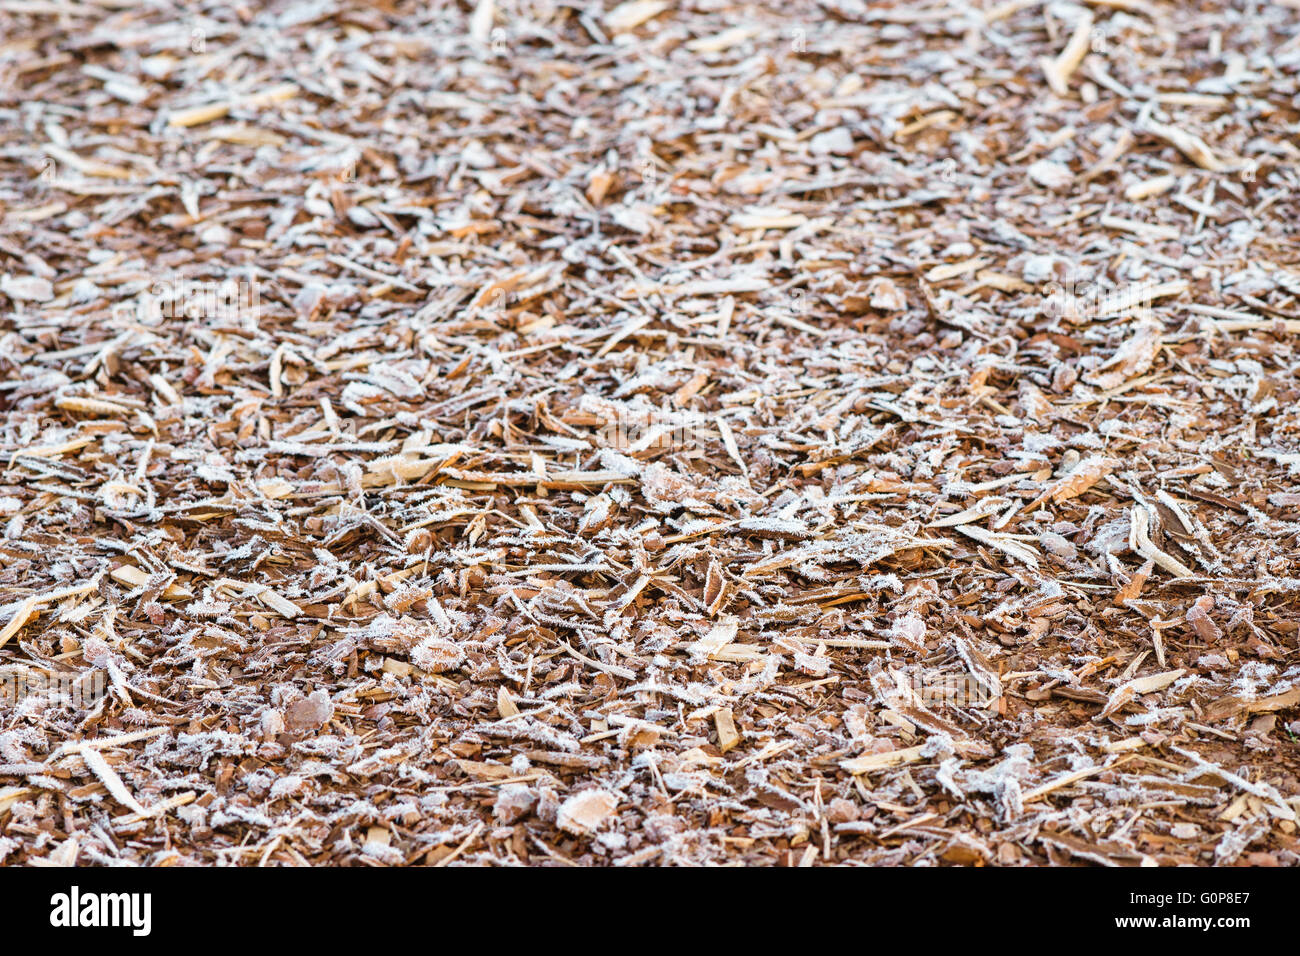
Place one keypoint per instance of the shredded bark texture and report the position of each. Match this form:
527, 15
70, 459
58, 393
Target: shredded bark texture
529, 432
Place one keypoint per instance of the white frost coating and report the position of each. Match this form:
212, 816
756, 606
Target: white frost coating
584, 812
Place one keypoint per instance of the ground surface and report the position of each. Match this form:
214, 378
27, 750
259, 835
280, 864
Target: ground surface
684, 433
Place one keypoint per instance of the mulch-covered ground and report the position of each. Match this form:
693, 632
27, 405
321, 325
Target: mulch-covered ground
672, 432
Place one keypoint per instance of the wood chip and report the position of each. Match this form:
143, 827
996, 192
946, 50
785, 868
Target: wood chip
633, 433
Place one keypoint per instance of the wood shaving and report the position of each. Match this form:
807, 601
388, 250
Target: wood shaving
519, 432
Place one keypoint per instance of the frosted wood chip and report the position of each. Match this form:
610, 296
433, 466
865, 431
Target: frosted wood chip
882, 761
584, 812
648, 433
627, 16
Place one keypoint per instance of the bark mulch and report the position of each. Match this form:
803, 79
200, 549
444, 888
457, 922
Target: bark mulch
671, 432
